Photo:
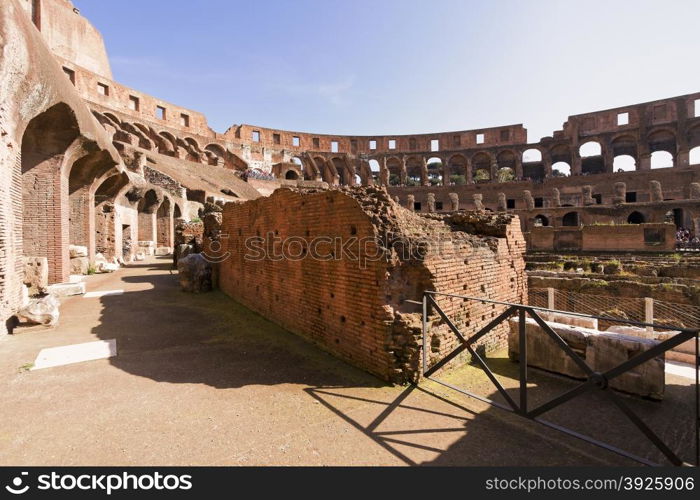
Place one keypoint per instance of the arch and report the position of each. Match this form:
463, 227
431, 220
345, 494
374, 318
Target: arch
624, 144
505, 174
481, 167
635, 218
694, 156
694, 136
346, 175
169, 143
506, 159
291, 175
164, 224
590, 148
457, 169
414, 169
540, 220
662, 140
561, 169
624, 163
570, 219
147, 207
45, 142
560, 153
676, 216
436, 168
661, 159
395, 168
532, 155
193, 143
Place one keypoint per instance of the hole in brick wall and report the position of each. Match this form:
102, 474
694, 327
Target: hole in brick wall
372, 144
102, 89
623, 118
332, 295
184, 120
255, 136
342, 319
392, 144
319, 311
483, 287
134, 103
464, 287
296, 141
308, 233
276, 138
334, 146
240, 232
337, 341
160, 112
697, 108
479, 138
353, 230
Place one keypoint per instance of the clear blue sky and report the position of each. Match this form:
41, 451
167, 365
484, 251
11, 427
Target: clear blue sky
401, 66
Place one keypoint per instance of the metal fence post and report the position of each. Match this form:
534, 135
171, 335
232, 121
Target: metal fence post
649, 313
550, 298
425, 332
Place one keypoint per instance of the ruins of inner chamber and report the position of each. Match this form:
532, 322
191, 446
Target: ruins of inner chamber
96, 175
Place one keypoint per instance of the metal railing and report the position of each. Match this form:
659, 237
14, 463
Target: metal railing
595, 380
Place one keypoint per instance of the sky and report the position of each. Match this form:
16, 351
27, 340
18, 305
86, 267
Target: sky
384, 67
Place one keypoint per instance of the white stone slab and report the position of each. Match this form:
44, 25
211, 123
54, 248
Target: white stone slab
102, 293
76, 353
66, 289
680, 369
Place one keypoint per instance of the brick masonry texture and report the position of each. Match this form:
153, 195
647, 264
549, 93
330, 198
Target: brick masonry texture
357, 308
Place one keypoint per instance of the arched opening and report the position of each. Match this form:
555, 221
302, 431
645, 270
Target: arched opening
561, 169
45, 231
591, 158
635, 218
661, 159
532, 155
624, 152
624, 163
435, 171
345, 176
374, 169
540, 221
662, 141
694, 157
457, 168
147, 207
291, 175
414, 168
164, 225
326, 170
590, 148
394, 166
506, 166
481, 168
570, 219
676, 217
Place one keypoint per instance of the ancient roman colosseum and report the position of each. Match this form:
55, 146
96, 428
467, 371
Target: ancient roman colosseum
88, 162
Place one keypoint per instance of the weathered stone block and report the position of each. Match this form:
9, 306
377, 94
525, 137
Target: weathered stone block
67, 289
194, 273
600, 350
79, 265
77, 251
36, 274
43, 311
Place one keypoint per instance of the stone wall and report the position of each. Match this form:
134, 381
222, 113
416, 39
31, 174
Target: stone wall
600, 238
339, 267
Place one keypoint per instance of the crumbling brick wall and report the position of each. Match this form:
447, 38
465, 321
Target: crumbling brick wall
339, 268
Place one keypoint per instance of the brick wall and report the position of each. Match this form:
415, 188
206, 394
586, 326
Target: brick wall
350, 303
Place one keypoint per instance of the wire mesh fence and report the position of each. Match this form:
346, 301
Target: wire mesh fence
630, 308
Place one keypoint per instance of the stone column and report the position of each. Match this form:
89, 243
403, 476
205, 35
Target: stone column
588, 196
424, 180
608, 158
454, 202
431, 203
529, 200
502, 203
547, 163
383, 173
478, 202
410, 202
576, 163
518, 166
620, 193
556, 198
403, 175
655, 192
469, 179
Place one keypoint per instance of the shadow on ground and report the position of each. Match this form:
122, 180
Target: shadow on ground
170, 336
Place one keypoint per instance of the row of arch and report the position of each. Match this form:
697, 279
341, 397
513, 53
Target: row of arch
621, 153
166, 143
76, 194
